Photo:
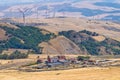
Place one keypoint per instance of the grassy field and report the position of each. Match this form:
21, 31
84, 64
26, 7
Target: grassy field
90, 73
95, 73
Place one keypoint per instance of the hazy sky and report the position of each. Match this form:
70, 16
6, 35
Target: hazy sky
15, 1
10, 2
7, 2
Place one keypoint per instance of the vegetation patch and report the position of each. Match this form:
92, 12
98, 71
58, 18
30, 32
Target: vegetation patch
14, 55
31, 37
84, 39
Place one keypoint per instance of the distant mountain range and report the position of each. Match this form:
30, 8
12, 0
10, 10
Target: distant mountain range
102, 9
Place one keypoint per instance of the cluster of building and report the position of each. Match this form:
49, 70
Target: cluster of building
57, 61
62, 61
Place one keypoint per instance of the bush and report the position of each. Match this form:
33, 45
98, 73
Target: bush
14, 55
89, 33
82, 58
3, 56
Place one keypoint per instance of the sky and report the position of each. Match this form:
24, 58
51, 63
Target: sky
11, 2
15, 1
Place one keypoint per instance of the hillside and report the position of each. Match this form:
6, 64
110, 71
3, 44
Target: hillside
101, 36
90, 41
3, 35
61, 45
24, 37
55, 25
101, 10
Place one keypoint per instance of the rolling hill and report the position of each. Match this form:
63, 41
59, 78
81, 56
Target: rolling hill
61, 45
55, 25
80, 36
24, 37
101, 10
90, 42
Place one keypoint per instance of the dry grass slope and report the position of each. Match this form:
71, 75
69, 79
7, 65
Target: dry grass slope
99, 38
111, 73
106, 28
2, 32
60, 45
2, 35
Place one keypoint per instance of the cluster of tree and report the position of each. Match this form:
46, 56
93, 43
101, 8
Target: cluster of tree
25, 37
14, 55
89, 33
111, 45
82, 58
116, 51
66, 33
92, 46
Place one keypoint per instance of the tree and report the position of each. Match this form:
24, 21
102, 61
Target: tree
82, 58
3, 56
17, 55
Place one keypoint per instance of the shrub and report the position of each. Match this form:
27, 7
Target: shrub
14, 55
82, 58
3, 56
